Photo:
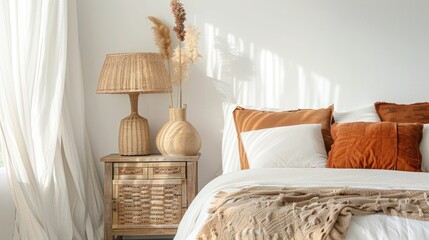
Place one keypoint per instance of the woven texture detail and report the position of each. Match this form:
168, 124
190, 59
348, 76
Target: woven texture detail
162, 170
130, 171
134, 136
145, 204
304, 213
134, 72
167, 170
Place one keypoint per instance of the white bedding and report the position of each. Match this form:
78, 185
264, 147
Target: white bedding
370, 227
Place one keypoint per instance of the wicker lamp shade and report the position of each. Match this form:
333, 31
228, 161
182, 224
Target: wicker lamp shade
132, 74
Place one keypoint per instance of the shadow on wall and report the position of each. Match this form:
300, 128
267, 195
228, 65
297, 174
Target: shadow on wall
247, 74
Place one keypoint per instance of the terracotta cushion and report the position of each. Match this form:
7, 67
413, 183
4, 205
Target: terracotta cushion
249, 120
384, 145
403, 113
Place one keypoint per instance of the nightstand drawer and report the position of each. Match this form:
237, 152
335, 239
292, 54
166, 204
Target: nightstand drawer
148, 203
154, 170
130, 171
167, 170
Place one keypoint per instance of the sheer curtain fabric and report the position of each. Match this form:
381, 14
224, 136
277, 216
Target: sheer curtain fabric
48, 159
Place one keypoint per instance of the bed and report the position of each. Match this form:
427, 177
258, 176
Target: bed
312, 175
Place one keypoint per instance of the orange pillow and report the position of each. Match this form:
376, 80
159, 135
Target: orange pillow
249, 120
403, 113
383, 145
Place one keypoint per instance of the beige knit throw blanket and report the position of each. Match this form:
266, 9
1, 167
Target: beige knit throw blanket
271, 213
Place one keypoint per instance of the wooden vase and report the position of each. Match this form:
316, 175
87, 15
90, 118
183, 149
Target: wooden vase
178, 137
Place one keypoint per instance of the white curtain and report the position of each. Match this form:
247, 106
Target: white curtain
42, 130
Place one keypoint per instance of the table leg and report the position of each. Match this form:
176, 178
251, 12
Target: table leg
108, 177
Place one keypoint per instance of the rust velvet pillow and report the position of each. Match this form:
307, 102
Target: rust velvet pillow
249, 120
403, 113
384, 145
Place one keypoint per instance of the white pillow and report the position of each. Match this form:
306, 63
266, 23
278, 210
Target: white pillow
230, 155
424, 148
298, 146
365, 114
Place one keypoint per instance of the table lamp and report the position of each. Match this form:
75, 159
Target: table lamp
132, 74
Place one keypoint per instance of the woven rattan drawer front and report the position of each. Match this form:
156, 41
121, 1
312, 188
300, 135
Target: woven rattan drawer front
167, 170
148, 203
130, 171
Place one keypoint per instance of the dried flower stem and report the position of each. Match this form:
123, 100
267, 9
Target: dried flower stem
191, 44
169, 76
163, 41
180, 16
184, 55
162, 37
180, 72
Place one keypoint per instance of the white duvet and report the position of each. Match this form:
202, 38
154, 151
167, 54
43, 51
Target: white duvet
370, 227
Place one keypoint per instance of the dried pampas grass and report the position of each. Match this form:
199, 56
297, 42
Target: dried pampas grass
181, 62
189, 54
162, 37
191, 44
163, 41
180, 16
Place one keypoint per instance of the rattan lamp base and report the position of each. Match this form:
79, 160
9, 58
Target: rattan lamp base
134, 132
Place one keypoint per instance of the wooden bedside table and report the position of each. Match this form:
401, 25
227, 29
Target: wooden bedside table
147, 195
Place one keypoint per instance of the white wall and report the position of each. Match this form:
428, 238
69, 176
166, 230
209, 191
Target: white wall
274, 53
7, 208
